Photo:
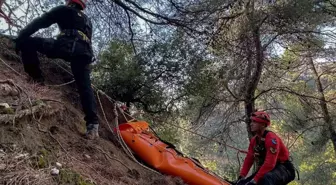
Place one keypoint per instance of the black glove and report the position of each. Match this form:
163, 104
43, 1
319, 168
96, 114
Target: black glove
252, 182
239, 180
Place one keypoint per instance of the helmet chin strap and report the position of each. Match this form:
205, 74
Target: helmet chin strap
261, 130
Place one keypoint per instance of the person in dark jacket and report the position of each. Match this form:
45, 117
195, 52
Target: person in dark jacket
270, 155
73, 44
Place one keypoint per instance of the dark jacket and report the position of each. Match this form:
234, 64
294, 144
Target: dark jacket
67, 18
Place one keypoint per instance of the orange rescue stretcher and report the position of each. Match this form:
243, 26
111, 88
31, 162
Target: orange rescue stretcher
163, 157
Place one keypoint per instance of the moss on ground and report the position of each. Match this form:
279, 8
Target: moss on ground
7, 111
68, 177
42, 159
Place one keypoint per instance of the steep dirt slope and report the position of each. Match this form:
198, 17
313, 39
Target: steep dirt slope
43, 125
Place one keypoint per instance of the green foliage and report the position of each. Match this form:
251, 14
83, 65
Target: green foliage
197, 66
202, 87
318, 167
42, 159
8, 110
151, 79
42, 162
118, 71
69, 177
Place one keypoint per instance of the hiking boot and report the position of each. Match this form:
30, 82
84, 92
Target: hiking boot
92, 131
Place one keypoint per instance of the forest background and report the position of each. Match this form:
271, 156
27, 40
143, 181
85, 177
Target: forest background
197, 69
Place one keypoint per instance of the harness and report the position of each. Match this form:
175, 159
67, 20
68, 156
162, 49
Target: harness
75, 33
260, 150
78, 34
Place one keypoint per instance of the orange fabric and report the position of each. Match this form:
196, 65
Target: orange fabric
166, 160
276, 151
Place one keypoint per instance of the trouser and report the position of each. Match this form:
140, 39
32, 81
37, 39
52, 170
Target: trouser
282, 174
79, 66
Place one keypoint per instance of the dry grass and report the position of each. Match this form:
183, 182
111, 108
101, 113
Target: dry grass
16, 168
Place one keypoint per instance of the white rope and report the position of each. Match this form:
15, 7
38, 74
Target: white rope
11, 67
119, 137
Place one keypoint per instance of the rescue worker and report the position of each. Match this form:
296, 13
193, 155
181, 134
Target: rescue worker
73, 44
269, 153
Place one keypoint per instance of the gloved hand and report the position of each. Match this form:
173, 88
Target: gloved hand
252, 182
239, 180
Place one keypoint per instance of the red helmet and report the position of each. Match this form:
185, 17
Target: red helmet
82, 3
261, 117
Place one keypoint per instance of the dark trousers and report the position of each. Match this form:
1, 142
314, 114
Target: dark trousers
79, 67
282, 174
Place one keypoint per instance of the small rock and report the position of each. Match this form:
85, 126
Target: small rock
87, 156
58, 165
54, 171
4, 106
5, 109
21, 156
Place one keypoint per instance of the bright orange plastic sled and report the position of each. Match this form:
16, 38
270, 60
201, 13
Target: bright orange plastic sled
163, 157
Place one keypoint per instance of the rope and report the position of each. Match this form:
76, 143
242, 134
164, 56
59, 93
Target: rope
120, 139
195, 133
208, 171
63, 68
60, 85
101, 107
127, 150
194, 161
11, 67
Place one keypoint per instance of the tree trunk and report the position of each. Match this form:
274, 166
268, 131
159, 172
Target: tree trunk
249, 103
256, 74
333, 137
326, 116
